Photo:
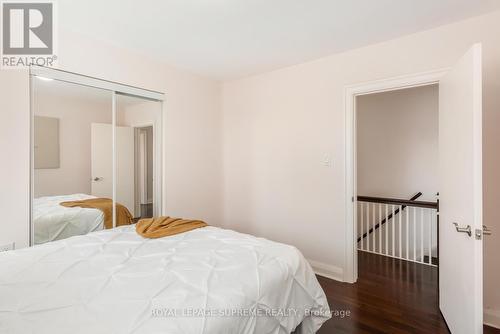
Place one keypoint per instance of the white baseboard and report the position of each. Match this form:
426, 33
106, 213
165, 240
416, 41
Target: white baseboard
491, 317
326, 270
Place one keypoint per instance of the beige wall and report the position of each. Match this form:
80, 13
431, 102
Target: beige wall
193, 171
15, 149
397, 143
75, 117
277, 127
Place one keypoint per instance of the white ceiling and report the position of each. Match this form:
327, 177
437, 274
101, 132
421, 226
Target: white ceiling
227, 39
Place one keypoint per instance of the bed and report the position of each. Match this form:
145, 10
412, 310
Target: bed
52, 221
208, 280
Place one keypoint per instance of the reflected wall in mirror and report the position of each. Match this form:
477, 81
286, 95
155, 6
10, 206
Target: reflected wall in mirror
137, 121
67, 169
46, 136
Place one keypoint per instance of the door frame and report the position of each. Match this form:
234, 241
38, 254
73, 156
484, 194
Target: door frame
156, 153
350, 274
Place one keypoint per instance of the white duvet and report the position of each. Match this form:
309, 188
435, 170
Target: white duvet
52, 221
208, 280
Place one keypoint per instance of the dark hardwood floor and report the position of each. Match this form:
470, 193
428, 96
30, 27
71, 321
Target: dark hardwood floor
390, 296
491, 330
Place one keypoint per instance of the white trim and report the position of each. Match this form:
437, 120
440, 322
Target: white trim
326, 270
143, 165
31, 193
137, 132
158, 142
350, 94
114, 151
56, 74
491, 317
351, 259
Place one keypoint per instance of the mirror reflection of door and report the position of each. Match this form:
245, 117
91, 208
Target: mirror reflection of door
135, 153
144, 154
65, 117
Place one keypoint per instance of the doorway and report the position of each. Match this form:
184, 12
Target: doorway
460, 184
144, 162
397, 173
351, 95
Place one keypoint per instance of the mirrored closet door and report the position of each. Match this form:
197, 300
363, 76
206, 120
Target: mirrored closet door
136, 135
65, 171
96, 155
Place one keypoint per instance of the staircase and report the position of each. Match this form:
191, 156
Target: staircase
399, 228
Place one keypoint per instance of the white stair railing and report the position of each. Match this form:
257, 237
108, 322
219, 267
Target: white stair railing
402, 229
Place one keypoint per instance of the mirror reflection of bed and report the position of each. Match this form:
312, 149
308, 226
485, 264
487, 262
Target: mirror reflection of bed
73, 159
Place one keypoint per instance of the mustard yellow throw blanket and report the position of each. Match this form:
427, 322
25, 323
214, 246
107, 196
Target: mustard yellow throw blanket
163, 226
123, 216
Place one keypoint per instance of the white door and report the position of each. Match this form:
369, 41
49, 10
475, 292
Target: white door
101, 139
102, 163
460, 194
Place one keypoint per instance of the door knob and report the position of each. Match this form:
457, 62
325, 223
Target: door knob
97, 179
466, 229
